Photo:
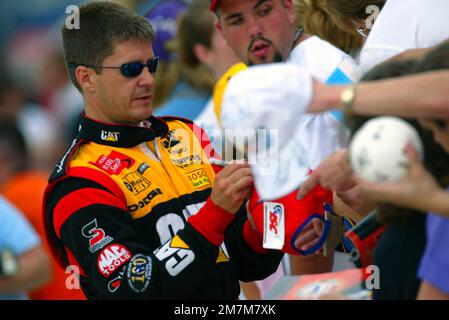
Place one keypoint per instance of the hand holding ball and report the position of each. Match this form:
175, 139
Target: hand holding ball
377, 150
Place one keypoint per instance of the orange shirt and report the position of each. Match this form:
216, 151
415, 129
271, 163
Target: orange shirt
25, 190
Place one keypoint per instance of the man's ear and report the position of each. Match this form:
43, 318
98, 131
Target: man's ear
86, 78
202, 53
219, 28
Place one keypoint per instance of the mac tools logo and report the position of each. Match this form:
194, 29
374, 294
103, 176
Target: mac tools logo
112, 258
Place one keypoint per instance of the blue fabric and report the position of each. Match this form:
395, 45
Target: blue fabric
16, 234
338, 78
434, 267
185, 102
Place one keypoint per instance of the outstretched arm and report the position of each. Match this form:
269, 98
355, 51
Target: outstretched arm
422, 95
34, 271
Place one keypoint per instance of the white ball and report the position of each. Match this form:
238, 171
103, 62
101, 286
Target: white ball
377, 149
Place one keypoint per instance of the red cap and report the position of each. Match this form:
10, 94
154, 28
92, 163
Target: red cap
213, 4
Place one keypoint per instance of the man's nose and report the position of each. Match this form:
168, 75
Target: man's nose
146, 77
254, 27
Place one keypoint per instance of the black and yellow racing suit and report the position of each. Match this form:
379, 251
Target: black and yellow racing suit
129, 207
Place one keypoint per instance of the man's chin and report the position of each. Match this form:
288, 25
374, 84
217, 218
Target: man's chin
142, 111
252, 60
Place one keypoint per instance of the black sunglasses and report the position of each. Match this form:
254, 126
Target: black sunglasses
129, 70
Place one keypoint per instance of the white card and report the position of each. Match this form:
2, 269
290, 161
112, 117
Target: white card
273, 225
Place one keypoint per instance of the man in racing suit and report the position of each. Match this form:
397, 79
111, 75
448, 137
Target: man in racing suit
134, 204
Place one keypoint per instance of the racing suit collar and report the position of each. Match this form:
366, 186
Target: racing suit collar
122, 136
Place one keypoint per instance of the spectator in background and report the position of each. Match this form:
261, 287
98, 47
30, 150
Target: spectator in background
202, 45
399, 250
397, 31
181, 90
387, 28
319, 19
434, 267
399, 25
164, 18
32, 119
421, 191
24, 264
24, 187
334, 172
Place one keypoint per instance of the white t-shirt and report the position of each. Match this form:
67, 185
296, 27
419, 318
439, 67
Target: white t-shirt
275, 97
405, 24
323, 133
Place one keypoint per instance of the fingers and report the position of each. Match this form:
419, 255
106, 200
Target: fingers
308, 185
365, 185
412, 155
232, 167
306, 238
311, 244
234, 178
375, 191
239, 174
232, 185
318, 226
310, 235
239, 180
242, 187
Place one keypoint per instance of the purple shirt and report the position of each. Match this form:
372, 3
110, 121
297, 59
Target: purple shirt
434, 267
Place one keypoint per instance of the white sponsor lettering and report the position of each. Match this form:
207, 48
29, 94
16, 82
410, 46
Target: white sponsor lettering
111, 258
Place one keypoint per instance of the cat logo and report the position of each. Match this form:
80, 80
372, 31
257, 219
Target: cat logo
136, 182
109, 136
170, 140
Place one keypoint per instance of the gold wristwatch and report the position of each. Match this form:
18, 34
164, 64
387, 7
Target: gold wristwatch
347, 98
9, 265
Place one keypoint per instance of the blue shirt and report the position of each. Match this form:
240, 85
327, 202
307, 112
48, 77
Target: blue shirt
434, 267
185, 102
17, 235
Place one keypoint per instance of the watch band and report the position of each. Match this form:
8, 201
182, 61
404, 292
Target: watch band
8, 263
347, 98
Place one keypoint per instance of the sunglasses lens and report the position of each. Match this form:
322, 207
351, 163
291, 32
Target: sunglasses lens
132, 69
153, 64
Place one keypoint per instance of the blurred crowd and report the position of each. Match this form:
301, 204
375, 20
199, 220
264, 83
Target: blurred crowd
380, 43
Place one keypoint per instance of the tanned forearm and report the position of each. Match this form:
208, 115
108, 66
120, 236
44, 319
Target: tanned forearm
34, 271
422, 95
439, 203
